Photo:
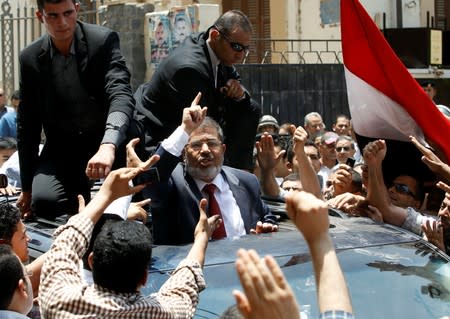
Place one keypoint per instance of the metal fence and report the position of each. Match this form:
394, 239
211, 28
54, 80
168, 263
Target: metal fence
303, 51
19, 27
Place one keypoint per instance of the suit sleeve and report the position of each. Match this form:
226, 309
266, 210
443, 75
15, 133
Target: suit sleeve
118, 92
29, 123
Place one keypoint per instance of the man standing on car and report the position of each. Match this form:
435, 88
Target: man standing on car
74, 85
204, 63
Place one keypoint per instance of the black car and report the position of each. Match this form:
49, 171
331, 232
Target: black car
391, 273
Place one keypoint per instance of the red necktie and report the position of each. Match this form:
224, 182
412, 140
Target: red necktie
214, 209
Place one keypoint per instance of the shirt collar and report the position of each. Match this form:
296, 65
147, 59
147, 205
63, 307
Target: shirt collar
54, 51
214, 59
219, 181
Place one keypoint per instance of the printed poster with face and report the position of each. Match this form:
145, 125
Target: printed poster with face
181, 25
160, 39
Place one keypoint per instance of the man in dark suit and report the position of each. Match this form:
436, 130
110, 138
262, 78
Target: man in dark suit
174, 205
74, 85
204, 63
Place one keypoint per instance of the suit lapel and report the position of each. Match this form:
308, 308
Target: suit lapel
81, 50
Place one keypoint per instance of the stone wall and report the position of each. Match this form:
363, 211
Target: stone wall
128, 20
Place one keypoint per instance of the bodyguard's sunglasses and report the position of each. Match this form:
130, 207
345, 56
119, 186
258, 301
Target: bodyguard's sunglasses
235, 46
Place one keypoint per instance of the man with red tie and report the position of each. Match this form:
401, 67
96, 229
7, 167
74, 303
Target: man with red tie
232, 193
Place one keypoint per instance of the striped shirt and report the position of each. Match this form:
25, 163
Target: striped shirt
64, 295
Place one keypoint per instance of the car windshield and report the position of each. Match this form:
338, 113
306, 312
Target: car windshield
406, 280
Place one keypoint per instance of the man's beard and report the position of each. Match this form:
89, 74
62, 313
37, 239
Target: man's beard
206, 173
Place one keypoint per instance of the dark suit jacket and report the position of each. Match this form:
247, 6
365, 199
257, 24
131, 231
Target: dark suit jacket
175, 200
104, 75
177, 80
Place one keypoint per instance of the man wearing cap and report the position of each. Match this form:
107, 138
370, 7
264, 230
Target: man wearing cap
327, 154
269, 124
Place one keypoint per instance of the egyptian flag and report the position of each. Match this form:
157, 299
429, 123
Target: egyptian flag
385, 101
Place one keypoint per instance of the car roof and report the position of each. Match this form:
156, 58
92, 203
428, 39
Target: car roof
349, 233
390, 272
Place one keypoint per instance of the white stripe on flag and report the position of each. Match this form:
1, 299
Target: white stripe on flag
376, 115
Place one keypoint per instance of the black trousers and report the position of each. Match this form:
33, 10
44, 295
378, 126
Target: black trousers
55, 190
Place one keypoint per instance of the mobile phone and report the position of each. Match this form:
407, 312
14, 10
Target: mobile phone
149, 176
350, 162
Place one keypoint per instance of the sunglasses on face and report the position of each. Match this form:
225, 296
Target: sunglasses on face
235, 46
275, 137
403, 189
342, 148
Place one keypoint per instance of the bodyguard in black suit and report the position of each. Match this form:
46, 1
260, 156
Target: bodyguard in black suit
204, 63
75, 86
174, 200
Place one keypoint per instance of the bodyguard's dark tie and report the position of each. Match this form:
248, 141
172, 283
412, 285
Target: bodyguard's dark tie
214, 209
220, 77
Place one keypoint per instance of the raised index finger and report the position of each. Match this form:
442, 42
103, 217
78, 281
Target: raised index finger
197, 99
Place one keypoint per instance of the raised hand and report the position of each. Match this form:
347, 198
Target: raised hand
374, 152
266, 155
309, 214
136, 210
193, 116
206, 226
266, 294
431, 159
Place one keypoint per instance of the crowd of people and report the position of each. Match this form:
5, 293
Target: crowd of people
215, 156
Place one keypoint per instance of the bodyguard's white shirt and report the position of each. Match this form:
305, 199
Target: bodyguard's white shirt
231, 214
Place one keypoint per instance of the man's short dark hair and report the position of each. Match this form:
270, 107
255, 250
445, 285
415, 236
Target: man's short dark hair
427, 83
11, 271
41, 3
104, 219
290, 150
122, 254
231, 20
9, 219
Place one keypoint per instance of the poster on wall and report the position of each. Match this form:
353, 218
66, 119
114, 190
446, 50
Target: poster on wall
160, 37
181, 25
166, 30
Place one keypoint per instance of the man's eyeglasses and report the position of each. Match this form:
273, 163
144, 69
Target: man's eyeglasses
342, 148
403, 189
235, 46
212, 144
